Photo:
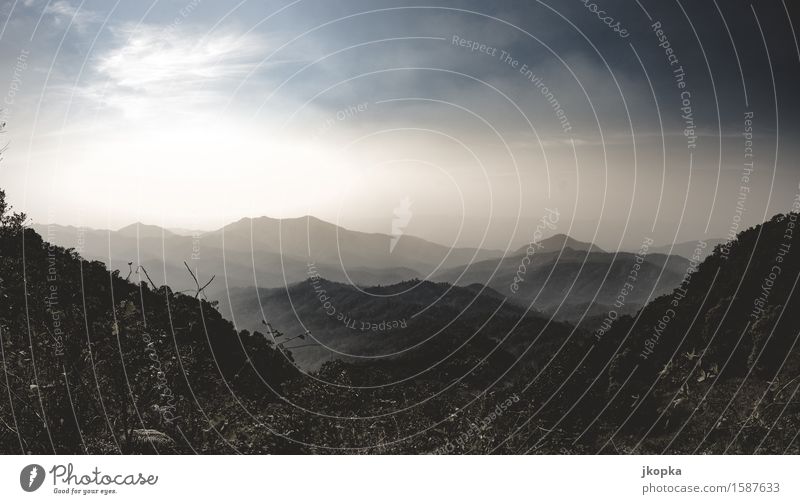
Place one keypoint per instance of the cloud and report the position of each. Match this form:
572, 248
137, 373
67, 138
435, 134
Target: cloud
64, 12
152, 66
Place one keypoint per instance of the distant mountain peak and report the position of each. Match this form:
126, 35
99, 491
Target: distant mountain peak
561, 241
144, 231
276, 221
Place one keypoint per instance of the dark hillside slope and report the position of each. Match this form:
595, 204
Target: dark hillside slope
93, 363
715, 364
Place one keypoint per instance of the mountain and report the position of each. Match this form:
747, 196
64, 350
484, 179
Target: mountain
560, 282
710, 367
688, 249
265, 252
186, 232
318, 241
141, 231
558, 242
343, 322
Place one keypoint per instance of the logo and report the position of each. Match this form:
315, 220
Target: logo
402, 216
31, 477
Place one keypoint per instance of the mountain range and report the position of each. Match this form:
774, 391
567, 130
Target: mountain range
263, 251
569, 279
329, 320
708, 367
565, 278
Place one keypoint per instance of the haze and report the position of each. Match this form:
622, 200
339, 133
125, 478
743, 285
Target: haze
195, 114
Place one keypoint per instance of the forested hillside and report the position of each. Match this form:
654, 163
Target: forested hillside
95, 363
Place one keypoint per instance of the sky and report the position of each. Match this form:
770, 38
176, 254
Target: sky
633, 120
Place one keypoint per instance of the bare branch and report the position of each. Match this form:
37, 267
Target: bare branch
193, 275
200, 290
146, 275
208, 283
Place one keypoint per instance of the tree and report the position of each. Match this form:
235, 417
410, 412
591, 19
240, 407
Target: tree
9, 222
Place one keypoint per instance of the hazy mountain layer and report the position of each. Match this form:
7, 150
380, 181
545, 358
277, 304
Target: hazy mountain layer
264, 252
560, 282
358, 325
